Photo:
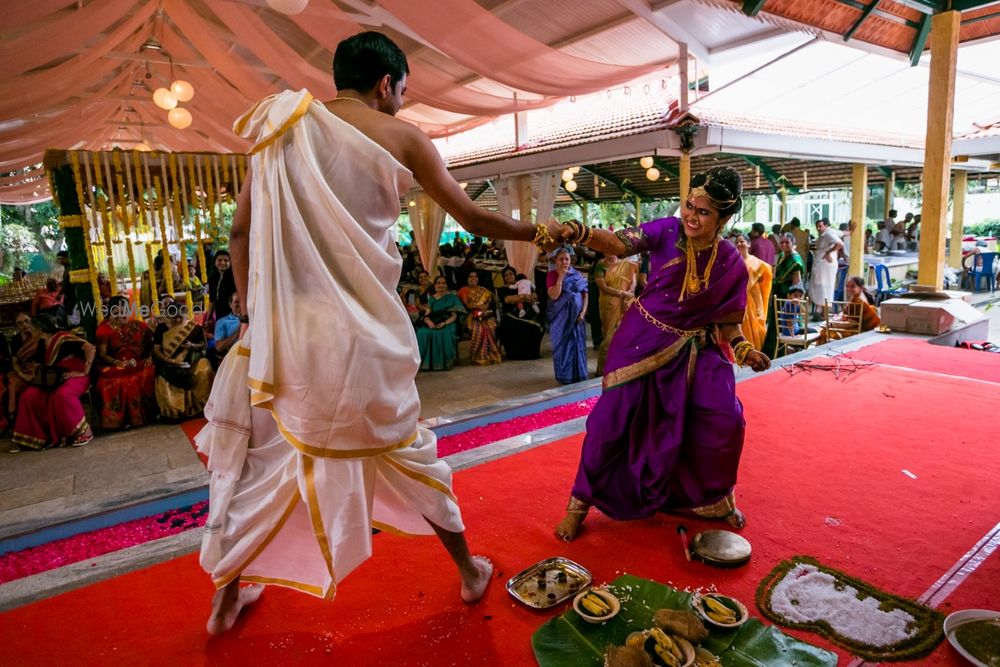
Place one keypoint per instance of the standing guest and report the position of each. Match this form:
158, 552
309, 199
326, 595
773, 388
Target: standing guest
437, 339
104, 287
482, 322
883, 239
69, 295
758, 294
520, 329
846, 230
49, 413
50, 301
794, 227
775, 239
183, 373
227, 328
615, 280
667, 433
899, 232
158, 275
823, 281
125, 385
761, 246
221, 285
789, 270
593, 314
337, 379
566, 311
913, 233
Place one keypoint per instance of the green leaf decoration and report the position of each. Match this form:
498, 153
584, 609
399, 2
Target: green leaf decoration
927, 622
569, 641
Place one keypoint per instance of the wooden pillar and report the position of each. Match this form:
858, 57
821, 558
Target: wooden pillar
685, 177
937, 151
859, 198
957, 219
890, 189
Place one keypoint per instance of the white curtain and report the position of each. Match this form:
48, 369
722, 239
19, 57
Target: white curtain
517, 198
427, 220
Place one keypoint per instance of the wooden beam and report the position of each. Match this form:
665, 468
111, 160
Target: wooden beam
957, 219
753, 7
861, 19
937, 150
965, 5
618, 183
859, 198
920, 40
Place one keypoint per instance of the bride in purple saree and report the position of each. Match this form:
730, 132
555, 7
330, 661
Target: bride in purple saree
667, 433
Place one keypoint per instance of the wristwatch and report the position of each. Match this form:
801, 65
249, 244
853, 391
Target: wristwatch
244, 319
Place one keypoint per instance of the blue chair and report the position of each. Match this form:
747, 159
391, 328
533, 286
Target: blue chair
984, 269
838, 290
883, 283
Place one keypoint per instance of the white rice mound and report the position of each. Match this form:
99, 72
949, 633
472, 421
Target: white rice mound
816, 598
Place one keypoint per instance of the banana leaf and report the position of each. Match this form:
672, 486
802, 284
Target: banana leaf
569, 641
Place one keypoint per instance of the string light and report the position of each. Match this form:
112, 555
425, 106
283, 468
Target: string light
567, 175
646, 162
164, 99
179, 118
653, 174
570, 186
182, 90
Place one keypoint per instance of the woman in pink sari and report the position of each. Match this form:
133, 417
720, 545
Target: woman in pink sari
49, 413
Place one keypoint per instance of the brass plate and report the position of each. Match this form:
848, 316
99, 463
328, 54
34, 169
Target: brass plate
721, 547
549, 582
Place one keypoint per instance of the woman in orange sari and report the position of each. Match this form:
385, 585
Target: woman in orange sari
184, 374
758, 294
482, 323
49, 413
858, 309
615, 280
125, 386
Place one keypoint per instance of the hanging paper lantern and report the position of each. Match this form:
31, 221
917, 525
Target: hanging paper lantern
143, 146
646, 163
287, 6
182, 90
567, 175
164, 99
653, 174
570, 186
412, 202
575, 170
179, 118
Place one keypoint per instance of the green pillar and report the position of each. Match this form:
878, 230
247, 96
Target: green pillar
70, 217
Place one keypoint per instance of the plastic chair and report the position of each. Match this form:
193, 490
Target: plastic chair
838, 290
984, 267
883, 283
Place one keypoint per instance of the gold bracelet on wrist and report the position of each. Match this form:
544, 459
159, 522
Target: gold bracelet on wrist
742, 349
542, 236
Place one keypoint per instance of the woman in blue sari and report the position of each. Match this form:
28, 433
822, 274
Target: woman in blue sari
567, 312
437, 336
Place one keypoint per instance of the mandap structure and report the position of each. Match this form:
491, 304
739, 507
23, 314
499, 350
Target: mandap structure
122, 208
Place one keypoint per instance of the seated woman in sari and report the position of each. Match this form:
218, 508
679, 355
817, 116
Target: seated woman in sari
667, 433
567, 312
758, 294
183, 373
415, 296
789, 269
49, 413
437, 336
482, 322
616, 281
23, 364
858, 309
520, 330
125, 385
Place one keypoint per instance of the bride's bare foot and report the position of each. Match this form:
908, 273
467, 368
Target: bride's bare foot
576, 512
474, 585
736, 519
227, 604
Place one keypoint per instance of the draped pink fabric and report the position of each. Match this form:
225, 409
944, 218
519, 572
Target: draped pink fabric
74, 74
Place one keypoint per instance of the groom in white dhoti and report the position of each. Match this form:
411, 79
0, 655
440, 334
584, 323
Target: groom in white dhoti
312, 436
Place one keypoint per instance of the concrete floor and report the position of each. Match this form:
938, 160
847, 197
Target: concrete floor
39, 489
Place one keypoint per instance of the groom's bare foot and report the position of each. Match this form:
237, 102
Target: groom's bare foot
227, 604
474, 585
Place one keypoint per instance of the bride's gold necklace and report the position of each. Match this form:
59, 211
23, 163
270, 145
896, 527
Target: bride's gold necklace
693, 283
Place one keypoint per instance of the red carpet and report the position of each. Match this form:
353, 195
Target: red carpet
822, 475
912, 353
